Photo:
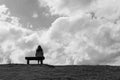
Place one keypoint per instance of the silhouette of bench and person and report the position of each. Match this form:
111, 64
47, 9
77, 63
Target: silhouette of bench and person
39, 56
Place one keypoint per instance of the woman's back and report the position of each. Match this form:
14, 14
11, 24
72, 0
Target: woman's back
39, 52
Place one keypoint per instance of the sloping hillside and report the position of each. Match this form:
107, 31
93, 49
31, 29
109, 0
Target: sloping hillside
48, 72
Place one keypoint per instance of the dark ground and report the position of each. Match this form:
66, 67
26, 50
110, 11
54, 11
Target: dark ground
49, 72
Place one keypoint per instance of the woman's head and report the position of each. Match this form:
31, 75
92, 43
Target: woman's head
39, 46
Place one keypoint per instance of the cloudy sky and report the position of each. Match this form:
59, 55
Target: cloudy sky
71, 32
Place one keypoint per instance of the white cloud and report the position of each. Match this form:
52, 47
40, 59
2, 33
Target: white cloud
109, 10
67, 7
88, 35
35, 15
85, 44
14, 39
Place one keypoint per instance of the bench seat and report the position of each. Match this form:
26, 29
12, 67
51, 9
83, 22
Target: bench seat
35, 58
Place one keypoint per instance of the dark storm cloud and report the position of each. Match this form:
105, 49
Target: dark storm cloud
26, 9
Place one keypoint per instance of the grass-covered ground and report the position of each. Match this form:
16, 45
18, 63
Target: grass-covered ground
48, 72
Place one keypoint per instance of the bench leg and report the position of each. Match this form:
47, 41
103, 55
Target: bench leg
38, 61
27, 61
41, 61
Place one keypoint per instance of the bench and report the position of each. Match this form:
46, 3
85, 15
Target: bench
39, 59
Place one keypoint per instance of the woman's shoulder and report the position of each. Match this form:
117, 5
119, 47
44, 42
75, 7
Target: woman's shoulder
39, 50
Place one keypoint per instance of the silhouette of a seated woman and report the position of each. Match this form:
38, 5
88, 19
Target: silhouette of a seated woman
39, 53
